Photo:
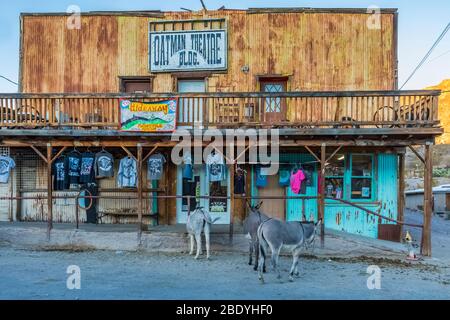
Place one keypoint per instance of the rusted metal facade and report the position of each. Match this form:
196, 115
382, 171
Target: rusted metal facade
336, 71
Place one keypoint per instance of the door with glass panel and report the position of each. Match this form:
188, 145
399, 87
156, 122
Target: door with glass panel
190, 111
274, 108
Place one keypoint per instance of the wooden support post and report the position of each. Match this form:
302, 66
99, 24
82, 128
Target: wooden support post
321, 204
49, 190
401, 187
232, 205
428, 198
139, 189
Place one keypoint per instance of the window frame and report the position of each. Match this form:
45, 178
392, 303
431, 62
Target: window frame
343, 177
123, 80
371, 177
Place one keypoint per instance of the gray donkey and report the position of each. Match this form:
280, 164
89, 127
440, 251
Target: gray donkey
292, 235
251, 224
199, 221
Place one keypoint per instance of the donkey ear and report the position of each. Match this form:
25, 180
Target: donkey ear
318, 223
258, 206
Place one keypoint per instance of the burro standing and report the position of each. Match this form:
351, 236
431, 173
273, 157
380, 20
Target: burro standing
292, 235
197, 222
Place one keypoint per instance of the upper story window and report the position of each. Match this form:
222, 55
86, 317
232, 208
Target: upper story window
136, 84
274, 108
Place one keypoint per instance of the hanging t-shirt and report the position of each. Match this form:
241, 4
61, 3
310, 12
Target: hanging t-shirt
104, 165
284, 177
87, 174
215, 167
261, 178
187, 167
74, 167
61, 179
127, 175
296, 181
155, 166
239, 182
6, 164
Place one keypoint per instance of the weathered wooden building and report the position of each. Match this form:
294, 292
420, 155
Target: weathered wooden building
326, 79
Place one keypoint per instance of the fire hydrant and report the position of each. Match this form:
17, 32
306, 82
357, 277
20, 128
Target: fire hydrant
409, 245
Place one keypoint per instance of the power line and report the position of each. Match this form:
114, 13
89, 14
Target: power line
9, 80
428, 54
443, 54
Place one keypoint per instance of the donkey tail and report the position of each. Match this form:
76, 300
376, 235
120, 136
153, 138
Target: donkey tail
262, 243
208, 219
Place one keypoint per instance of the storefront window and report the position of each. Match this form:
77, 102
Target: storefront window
362, 174
334, 177
218, 189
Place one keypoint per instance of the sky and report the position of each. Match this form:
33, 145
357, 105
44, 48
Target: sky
420, 23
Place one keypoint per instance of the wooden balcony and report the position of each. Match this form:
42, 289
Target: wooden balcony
307, 110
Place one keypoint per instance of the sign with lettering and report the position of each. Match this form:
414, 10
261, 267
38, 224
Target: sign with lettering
159, 116
188, 50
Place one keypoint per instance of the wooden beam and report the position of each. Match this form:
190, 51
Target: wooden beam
150, 153
139, 190
128, 152
321, 204
312, 153
233, 202
49, 191
334, 153
401, 187
58, 154
417, 153
39, 153
428, 198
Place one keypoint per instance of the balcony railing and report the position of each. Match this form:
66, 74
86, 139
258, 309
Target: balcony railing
343, 109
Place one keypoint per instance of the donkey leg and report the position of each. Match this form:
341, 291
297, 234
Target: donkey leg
198, 240
275, 266
256, 248
250, 254
262, 249
191, 238
294, 269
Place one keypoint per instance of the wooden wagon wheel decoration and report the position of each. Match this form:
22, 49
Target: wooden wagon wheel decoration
380, 113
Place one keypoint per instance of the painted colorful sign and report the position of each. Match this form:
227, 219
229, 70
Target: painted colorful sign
158, 116
188, 50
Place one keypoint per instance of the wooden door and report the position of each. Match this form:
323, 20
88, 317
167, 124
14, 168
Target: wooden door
274, 108
274, 208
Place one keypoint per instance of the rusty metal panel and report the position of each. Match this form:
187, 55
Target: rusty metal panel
390, 232
318, 51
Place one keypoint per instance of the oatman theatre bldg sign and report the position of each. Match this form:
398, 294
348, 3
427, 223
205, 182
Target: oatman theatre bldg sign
188, 50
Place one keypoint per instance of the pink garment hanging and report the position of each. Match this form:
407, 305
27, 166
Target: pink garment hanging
296, 181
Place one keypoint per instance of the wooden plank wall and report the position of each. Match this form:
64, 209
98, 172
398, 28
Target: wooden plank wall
319, 51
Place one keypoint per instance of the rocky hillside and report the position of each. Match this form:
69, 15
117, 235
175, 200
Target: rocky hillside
444, 110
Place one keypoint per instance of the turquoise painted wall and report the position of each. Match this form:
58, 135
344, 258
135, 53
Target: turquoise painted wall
343, 217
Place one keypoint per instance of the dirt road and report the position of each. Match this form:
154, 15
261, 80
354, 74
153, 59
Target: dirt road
29, 274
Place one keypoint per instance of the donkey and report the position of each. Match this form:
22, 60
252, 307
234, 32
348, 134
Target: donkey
292, 235
251, 224
199, 221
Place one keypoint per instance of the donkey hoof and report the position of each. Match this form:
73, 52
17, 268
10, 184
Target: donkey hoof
264, 270
250, 263
255, 268
291, 279
261, 279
